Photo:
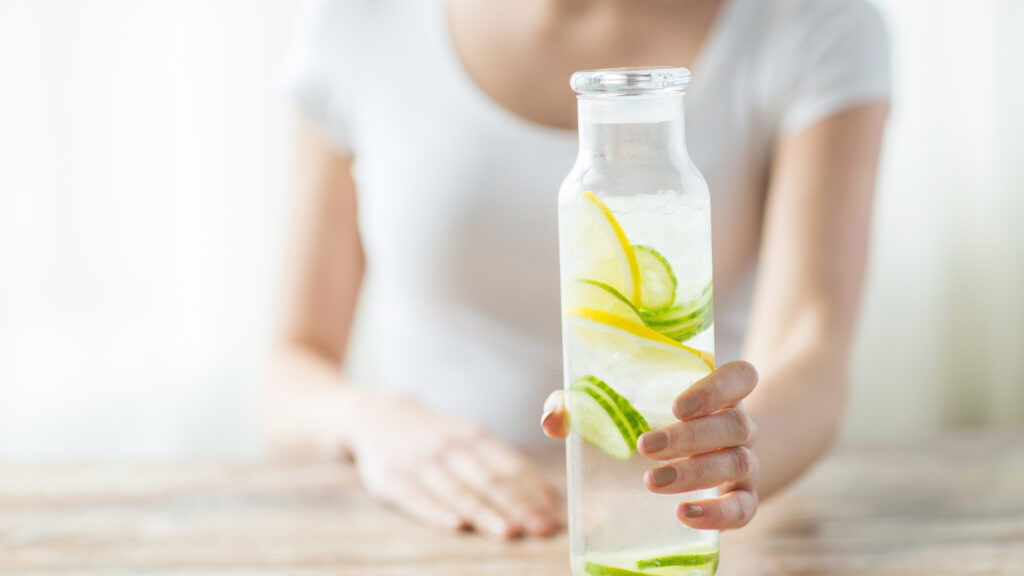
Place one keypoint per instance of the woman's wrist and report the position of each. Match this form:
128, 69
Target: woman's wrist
308, 408
350, 413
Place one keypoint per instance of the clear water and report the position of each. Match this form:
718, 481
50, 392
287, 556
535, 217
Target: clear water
613, 519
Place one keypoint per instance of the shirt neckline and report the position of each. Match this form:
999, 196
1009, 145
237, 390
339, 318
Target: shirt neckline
708, 51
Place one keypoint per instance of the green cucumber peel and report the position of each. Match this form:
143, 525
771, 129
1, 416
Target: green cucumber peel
638, 424
657, 280
599, 421
601, 570
699, 559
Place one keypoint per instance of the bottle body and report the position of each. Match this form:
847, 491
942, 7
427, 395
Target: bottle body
635, 256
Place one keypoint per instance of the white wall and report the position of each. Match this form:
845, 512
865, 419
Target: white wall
143, 160
943, 326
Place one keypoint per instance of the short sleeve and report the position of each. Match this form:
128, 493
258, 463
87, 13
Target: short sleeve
840, 59
318, 68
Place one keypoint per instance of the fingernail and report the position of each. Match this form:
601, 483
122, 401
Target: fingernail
654, 441
687, 406
545, 417
456, 522
663, 476
510, 531
693, 511
539, 525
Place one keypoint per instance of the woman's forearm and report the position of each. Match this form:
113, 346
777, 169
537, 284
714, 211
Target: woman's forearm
814, 245
306, 407
797, 408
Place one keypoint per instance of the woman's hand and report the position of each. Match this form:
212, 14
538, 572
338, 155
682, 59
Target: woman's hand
448, 472
708, 447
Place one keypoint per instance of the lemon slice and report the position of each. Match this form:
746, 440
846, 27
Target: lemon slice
618, 335
598, 243
600, 296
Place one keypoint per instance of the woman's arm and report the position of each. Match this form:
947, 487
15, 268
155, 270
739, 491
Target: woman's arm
441, 469
304, 408
813, 253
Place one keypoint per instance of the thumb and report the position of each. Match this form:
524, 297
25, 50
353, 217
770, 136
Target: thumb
553, 420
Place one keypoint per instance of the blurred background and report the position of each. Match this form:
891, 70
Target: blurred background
144, 173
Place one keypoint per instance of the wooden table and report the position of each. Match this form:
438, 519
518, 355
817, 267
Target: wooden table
953, 505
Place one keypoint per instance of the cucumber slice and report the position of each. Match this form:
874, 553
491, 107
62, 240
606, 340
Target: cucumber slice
602, 570
657, 281
680, 560
686, 330
686, 320
674, 315
598, 420
679, 312
600, 296
637, 423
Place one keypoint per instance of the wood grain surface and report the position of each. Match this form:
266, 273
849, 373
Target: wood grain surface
946, 506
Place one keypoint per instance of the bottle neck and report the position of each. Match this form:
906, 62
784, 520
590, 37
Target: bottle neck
646, 127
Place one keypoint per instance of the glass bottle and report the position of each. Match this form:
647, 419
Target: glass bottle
635, 256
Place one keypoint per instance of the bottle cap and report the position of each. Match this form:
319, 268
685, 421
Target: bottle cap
630, 81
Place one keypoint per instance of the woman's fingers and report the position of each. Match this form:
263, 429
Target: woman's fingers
515, 469
725, 429
509, 463
449, 491
417, 502
711, 441
553, 418
705, 471
723, 388
519, 499
730, 510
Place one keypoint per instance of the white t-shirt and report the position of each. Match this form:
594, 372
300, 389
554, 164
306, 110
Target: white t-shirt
457, 196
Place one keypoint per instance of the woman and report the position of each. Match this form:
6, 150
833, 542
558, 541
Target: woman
434, 138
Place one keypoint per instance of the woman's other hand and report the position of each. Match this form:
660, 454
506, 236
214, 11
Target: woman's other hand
709, 447
450, 473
